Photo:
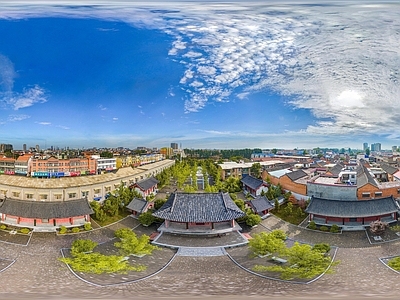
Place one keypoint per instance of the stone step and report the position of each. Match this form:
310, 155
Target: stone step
201, 251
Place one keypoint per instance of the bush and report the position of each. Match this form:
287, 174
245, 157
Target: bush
324, 228
3, 226
334, 228
75, 230
146, 218
63, 230
25, 230
253, 219
82, 246
322, 248
312, 225
279, 234
87, 226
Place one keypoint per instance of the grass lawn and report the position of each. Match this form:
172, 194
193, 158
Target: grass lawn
111, 220
293, 218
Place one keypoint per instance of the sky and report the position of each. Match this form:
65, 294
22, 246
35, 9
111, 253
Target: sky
262, 74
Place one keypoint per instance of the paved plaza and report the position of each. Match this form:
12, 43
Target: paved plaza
33, 270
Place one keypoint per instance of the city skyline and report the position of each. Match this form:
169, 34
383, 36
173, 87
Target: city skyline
244, 75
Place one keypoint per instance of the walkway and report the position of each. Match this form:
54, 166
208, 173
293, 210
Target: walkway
37, 273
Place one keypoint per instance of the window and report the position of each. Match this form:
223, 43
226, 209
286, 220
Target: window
96, 191
366, 195
29, 196
16, 194
58, 196
71, 195
107, 188
378, 194
43, 196
85, 193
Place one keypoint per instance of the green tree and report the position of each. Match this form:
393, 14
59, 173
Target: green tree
266, 243
130, 244
232, 185
303, 262
253, 219
146, 218
82, 246
97, 263
255, 170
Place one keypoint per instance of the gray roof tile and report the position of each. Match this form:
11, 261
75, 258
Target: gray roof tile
199, 208
352, 209
45, 210
137, 205
147, 183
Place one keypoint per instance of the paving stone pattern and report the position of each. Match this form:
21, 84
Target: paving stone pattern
37, 272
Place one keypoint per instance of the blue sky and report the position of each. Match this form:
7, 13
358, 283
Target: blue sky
205, 75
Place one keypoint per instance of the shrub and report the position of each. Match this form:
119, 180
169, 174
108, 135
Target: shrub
279, 234
3, 226
146, 218
75, 230
253, 219
334, 228
82, 246
322, 248
312, 225
87, 226
63, 230
25, 230
324, 228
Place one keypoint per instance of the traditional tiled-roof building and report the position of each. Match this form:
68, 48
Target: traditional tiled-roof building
199, 213
253, 186
146, 187
260, 205
138, 206
40, 215
352, 213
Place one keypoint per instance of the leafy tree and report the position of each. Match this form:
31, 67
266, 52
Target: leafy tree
130, 244
303, 262
266, 243
232, 185
255, 170
158, 203
253, 219
147, 218
82, 246
97, 263
240, 204
322, 248
276, 205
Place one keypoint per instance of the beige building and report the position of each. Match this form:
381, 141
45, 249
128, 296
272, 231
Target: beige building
93, 187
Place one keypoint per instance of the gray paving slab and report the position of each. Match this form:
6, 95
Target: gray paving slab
201, 251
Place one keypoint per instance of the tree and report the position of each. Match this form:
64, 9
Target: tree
255, 170
158, 203
253, 219
82, 246
147, 218
302, 262
130, 244
378, 227
232, 185
266, 243
98, 263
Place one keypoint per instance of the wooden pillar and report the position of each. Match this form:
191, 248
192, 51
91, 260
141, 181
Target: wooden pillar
187, 225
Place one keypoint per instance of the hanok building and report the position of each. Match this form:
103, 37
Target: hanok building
138, 206
146, 187
45, 215
261, 206
254, 186
352, 213
199, 213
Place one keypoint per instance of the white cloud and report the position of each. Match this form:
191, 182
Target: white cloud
340, 62
14, 118
7, 74
44, 123
27, 98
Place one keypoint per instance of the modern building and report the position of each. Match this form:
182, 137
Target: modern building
365, 146
174, 146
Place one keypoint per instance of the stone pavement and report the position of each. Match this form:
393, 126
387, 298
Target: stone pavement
37, 272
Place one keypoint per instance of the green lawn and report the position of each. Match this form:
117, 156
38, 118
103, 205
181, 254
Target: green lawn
293, 218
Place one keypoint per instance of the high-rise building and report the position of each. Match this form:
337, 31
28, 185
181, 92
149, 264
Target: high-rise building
174, 146
376, 147
6, 147
365, 146
24, 147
